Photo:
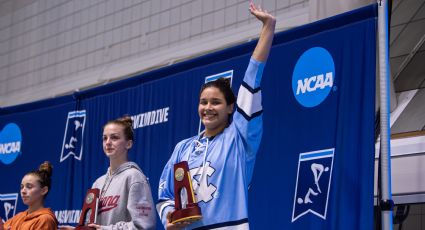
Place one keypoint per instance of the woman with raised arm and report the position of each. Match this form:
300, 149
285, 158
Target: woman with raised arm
34, 188
221, 158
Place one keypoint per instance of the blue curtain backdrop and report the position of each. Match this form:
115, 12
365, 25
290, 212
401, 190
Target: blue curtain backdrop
315, 164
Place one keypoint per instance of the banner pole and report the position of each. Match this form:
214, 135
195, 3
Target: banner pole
386, 203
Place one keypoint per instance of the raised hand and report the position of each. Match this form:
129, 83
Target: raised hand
262, 15
261, 51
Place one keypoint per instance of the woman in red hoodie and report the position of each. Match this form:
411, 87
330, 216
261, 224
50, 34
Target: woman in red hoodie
34, 188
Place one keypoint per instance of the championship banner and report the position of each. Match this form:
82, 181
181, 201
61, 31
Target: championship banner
314, 168
316, 165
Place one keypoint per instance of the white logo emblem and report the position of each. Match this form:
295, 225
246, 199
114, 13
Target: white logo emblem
73, 137
203, 191
313, 183
9, 201
315, 82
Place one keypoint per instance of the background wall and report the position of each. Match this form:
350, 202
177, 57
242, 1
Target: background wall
53, 47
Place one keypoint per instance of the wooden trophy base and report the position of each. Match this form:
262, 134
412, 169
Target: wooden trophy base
189, 214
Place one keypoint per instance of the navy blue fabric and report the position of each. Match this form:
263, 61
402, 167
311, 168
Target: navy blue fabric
342, 124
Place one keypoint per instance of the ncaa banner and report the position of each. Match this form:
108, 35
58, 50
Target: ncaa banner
29, 136
319, 128
314, 169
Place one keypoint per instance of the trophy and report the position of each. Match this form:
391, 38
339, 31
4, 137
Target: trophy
90, 206
182, 179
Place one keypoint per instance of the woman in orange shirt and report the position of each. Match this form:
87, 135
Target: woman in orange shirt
34, 188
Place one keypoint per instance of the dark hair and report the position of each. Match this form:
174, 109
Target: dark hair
223, 85
126, 122
44, 174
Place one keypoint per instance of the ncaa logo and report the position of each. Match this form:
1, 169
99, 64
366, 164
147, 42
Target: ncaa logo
10, 143
313, 77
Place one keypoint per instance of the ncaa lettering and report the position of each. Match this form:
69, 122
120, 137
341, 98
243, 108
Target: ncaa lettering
11, 147
319, 82
313, 77
10, 143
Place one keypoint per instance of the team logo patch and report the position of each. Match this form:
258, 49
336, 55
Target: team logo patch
8, 204
313, 77
10, 143
226, 75
204, 191
313, 183
73, 137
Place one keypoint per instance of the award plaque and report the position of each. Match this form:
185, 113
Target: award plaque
90, 206
182, 179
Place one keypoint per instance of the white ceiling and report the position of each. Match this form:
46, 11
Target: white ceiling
407, 45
